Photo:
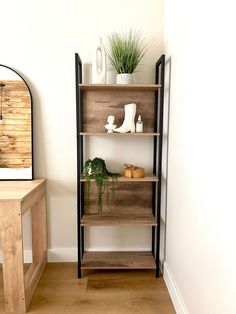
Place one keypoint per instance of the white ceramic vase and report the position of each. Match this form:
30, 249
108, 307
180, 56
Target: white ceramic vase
124, 78
99, 64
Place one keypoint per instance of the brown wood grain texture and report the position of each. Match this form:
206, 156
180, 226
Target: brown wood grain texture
98, 292
34, 198
99, 104
39, 232
15, 132
13, 259
119, 219
128, 197
122, 87
32, 278
21, 190
118, 260
16, 144
16, 197
148, 178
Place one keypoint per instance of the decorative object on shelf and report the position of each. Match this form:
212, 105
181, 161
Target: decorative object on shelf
16, 159
132, 171
1, 116
139, 125
110, 126
87, 73
124, 78
125, 51
96, 169
99, 64
128, 125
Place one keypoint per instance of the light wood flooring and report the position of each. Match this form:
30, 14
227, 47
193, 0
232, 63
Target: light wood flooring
98, 292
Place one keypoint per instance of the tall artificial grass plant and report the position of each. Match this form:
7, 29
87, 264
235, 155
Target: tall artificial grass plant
125, 50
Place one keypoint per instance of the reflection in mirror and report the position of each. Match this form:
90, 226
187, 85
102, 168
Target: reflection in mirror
15, 127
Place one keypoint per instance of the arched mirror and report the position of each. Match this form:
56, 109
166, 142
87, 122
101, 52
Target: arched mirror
16, 158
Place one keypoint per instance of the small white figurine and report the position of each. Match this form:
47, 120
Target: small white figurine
110, 126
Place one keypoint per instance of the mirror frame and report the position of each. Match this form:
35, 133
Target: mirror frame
32, 146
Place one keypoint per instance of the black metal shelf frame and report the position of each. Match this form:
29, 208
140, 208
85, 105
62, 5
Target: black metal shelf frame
157, 158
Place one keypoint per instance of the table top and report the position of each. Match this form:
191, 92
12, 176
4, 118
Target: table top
18, 190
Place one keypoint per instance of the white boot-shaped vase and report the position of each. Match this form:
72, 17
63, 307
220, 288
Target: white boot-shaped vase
128, 125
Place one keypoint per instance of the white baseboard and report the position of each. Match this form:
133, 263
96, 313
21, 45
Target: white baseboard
59, 255
63, 255
54, 255
175, 295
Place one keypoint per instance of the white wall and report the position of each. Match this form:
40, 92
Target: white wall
39, 39
201, 212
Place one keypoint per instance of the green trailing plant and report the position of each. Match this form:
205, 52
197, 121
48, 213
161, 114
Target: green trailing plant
96, 169
125, 50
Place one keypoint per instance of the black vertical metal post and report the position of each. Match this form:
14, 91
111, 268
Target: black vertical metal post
154, 184
160, 68
79, 122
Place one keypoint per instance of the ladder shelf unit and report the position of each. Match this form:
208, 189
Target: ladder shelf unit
137, 201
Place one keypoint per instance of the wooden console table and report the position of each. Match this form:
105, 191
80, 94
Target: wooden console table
16, 197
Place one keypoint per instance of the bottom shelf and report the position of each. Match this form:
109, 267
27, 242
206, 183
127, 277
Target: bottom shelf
118, 260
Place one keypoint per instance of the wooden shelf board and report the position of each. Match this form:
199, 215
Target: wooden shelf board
118, 260
148, 178
118, 134
18, 190
124, 87
119, 219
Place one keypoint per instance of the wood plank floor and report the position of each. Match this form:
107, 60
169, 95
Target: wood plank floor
98, 292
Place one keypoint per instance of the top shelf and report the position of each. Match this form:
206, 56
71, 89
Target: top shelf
133, 87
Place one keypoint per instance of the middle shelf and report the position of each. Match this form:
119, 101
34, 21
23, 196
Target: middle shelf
129, 204
148, 178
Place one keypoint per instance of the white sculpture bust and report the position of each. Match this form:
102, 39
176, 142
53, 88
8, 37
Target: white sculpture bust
110, 126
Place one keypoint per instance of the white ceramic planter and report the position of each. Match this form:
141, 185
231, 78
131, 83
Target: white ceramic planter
124, 78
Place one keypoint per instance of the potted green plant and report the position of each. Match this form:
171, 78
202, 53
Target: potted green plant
125, 51
96, 169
